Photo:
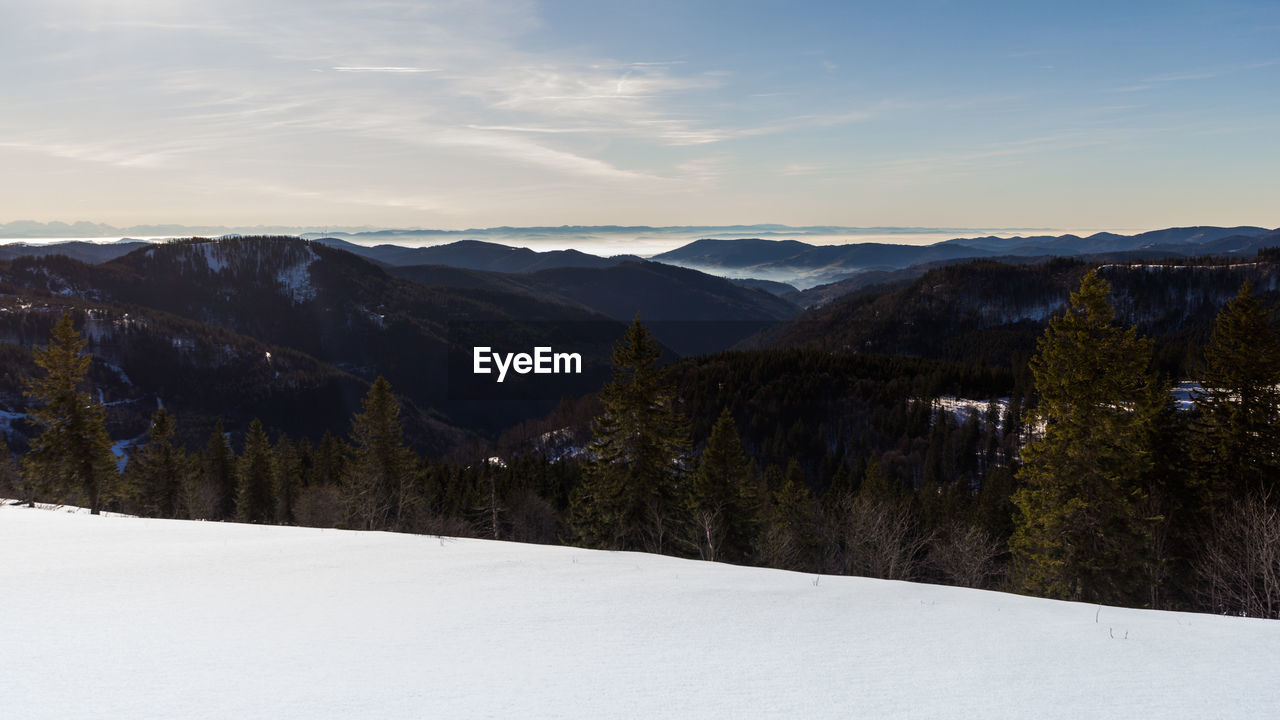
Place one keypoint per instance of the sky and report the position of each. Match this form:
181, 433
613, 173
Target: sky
482, 113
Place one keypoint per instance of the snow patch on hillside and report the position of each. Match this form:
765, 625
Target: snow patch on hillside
295, 280
963, 409
213, 254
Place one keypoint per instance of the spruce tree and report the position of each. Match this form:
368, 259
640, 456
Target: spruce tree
156, 471
379, 479
1081, 532
288, 475
72, 454
329, 460
720, 496
627, 499
1237, 433
12, 480
218, 474
255, 496
787, 521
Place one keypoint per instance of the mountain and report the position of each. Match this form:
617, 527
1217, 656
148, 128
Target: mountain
145, 358
986, 311
342, 312
689, 311
78, 250
781, 289
477, 255
742, 253
1170, 238
808, 266
235, 620
801, 264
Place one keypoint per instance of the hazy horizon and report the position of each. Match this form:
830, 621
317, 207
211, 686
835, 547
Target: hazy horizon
610, 240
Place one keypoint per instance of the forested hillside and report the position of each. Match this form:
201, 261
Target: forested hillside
987, 425
986, 311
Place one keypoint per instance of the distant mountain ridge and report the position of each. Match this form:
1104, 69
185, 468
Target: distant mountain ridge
806, 265
993, 312
816, 273
477, 255
690, 311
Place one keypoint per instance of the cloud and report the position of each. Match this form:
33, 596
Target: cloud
384, 95
1156, 81
385, 69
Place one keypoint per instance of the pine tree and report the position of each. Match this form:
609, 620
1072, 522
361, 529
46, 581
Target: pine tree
11, 477
72, 454
1081, 532
156, 471
329, 460
1237, 435
379, 480
627, 499
720, 496
218, 475
255, 497
288, 475
787, 521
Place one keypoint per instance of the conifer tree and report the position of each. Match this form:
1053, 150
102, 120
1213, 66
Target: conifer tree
379, 480
288, 475
876, 485
329, 460
255, 497
12, 479
627, 499
218, 474
720, 496
1081, 532
156, 471
787, 533
72, 454
1237, 435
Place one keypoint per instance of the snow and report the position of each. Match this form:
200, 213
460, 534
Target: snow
8, 417
295, 279
215, 257
123, 617
119, 371
964, 408
122, 448
1185, 393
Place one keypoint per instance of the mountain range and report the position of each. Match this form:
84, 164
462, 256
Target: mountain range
788, 268
806, 266
292, 331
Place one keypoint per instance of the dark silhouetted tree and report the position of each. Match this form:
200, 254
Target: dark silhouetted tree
628, 497
1081, 532
720, 496
156, 470
379, 479
1237, 436
255, 497
72, 454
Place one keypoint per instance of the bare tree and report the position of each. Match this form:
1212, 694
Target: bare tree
1240, 563
965, 555
873, 538
780, 546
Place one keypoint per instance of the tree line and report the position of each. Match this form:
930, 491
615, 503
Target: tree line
1086, 484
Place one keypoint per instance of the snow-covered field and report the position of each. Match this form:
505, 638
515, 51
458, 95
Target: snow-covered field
114, 617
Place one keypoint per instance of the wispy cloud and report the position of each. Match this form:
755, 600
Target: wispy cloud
1164, 79
384, 69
